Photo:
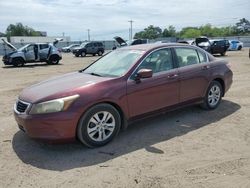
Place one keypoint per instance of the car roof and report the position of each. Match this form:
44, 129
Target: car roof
146, 47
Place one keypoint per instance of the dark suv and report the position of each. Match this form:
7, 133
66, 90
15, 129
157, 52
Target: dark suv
218, 46
89, 48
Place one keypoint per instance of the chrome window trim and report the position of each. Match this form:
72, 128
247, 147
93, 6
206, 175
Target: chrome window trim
15, 106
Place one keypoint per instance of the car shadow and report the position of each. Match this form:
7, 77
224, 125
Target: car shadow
139, 135
30, 66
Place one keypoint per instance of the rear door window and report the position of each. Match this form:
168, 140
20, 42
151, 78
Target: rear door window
187, 56
202, 56
43, 46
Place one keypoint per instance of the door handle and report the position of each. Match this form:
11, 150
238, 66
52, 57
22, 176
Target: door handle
205, 67
172, 76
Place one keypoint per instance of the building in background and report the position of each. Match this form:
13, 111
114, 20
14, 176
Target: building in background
37, 39
42, 33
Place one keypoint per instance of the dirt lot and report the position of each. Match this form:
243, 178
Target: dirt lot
186, 148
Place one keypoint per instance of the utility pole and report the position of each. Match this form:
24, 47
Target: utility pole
131, 30
88, 34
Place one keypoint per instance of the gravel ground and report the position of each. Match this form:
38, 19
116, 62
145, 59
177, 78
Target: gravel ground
185, 148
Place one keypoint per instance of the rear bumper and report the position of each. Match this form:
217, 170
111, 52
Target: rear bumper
228, 80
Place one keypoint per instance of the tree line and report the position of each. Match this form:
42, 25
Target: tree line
152, 32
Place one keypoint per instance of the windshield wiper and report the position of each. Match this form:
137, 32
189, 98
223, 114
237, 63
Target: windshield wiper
95, 74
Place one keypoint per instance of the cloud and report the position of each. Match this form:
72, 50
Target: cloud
108, 18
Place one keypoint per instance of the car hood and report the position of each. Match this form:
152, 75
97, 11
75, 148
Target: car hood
9, 44
120, 41
60, 86
201, 40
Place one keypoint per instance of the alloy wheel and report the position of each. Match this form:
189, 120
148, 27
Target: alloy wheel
214, 95
101, 126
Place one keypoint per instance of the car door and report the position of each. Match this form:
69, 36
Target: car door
90, 48
29, 53
43, 51
157, 92
218, 47
194, 73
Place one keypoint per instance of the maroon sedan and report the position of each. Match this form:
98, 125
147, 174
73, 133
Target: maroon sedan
126, 84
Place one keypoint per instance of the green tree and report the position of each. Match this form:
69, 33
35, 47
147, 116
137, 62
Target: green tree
19, 29
169, 32
190, 32
151, 32
243, 26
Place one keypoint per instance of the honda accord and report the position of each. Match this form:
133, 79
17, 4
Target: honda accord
95, 103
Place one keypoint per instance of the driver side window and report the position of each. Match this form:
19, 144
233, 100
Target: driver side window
158, 61
30, 48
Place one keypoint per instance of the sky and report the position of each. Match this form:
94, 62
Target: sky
109, 18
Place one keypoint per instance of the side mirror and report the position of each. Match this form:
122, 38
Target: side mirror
144, 73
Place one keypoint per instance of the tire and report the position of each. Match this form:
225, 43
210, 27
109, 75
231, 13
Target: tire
83, 54
93, 54
93, 126
18, 62
100, 53
223, 53
68, 50
77, 55
213, 96
53, 60
240, 47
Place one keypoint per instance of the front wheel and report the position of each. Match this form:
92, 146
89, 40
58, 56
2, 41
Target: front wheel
223, 53
213, 96
83, 54
99, 125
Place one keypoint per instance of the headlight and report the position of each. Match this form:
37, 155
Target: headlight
56, 105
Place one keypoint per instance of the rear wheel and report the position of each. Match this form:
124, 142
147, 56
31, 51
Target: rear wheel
240, 47
99, 125
213, 96
53, 60
100, 53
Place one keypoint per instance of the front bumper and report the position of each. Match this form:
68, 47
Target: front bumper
53, 127
6, 61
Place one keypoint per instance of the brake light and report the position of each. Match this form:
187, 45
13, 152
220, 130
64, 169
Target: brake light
229, 65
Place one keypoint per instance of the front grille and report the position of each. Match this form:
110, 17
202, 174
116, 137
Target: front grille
21, 106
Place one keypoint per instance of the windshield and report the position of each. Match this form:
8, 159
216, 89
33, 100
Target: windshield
22, 48
83, 44
114, 64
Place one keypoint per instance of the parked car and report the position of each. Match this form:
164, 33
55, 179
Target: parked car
123, 43
70, 47
216, 46
235, 45
89, 48
30, 53
126, 84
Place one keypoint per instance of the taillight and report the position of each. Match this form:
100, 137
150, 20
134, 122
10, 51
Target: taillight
229, 65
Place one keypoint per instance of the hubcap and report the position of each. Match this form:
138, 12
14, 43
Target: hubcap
100, 126
214, 95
